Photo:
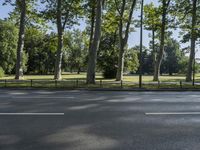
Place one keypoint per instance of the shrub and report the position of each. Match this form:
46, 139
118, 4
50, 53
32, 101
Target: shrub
109, 72
1, 72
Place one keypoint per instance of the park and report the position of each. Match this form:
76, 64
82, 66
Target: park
99, 74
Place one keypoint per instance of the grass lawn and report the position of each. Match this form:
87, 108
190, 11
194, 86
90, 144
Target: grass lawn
71, 80
82, 76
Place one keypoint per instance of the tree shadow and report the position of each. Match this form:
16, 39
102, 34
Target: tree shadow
95, 121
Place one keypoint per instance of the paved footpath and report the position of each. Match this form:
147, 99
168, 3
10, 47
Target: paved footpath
85, 120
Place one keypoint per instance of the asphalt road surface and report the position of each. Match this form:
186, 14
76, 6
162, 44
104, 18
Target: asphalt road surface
83, 120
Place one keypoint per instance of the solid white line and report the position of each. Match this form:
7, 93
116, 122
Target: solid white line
32, 114
173, 113
39, 97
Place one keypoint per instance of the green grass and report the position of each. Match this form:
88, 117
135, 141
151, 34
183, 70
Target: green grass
71, 80
82, 76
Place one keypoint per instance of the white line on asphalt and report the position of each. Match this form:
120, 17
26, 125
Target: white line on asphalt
172, 113
40, 97
32, 114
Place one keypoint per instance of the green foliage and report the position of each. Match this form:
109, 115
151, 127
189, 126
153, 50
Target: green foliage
40, 48
131, 61
1, 72
71, 10
172, 57
182, 9
33, 17
152, 19
108, 55
8, 45
109, 72
75, 52
183, 64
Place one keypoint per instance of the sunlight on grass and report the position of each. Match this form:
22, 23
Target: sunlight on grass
82, 76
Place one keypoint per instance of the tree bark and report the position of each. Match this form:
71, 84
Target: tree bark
193, 42
123, 40
58, 64
154, 50
162, 41
20, 45
92, 25
120, 69
95, 45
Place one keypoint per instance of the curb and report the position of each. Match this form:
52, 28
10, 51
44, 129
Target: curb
103, 89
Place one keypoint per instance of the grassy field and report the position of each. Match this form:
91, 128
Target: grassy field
71, 80
82, 76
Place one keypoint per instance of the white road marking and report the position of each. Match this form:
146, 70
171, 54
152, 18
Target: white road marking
41, 97
172, 113
32, 114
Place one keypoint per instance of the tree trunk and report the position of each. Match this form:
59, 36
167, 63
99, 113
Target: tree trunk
20, 46
79, 70
120, 69
162, 41
193, 42
95, 45
123, 40
92, 25
154, 50
58, 64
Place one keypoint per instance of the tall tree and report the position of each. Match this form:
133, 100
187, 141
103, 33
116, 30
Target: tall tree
193, 41
152, 23
24, 15
64, 13
20, 45
60, 29
188, 14
124, 9
95, 44
90, 13
165, 5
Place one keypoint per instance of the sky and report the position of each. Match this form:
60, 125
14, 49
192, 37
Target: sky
134, 38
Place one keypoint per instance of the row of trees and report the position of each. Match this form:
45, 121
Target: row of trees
109, 23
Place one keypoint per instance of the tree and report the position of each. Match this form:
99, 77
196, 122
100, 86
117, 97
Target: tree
65, 14
92, 57
165, 5
108, 55
41, 49
90, 13
131, 60
193, 41
20, 45
125, 13
172, 57
7, 48
187, 12
152, 22
76, 50
28, 16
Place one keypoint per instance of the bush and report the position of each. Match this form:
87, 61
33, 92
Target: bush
1, 72
109, 72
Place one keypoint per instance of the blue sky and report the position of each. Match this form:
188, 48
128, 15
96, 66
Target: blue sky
134, 38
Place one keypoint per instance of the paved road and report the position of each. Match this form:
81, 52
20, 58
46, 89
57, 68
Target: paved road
99, 120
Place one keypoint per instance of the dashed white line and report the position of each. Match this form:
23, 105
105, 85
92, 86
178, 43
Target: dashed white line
32, 114
172, 113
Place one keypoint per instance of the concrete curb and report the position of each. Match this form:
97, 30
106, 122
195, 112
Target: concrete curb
104, 89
